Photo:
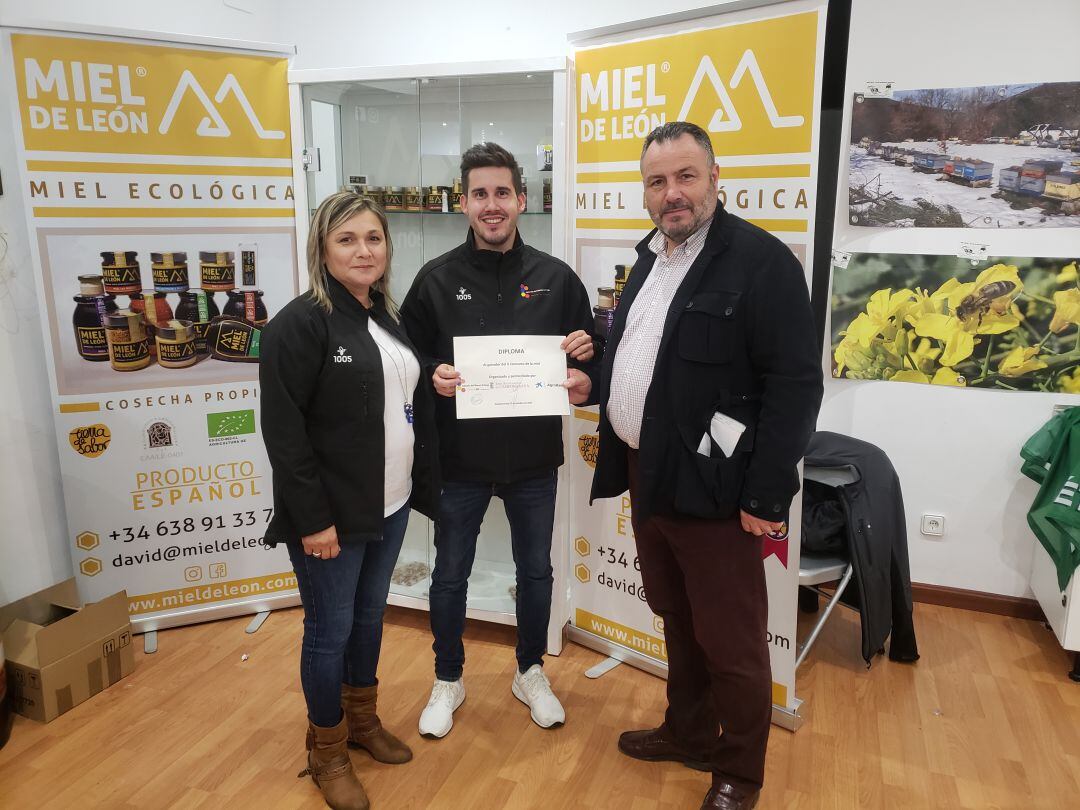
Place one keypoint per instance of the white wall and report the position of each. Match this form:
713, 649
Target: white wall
381, 34
956, 451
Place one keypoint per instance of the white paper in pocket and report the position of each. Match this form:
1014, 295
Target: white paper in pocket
725, 431
705, 445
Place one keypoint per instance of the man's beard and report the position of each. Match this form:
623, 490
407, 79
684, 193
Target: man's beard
494, 240
678, 233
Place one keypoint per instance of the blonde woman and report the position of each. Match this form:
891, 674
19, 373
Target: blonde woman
350, 438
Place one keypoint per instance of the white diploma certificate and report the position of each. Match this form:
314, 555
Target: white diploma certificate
510, 375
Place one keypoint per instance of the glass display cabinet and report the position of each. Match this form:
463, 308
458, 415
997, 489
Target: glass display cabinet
400, 140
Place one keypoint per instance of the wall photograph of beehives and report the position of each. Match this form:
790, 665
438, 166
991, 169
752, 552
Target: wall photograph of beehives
1007, 323
1001, 156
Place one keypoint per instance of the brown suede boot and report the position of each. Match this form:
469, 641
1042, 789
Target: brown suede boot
331, 769
366, 731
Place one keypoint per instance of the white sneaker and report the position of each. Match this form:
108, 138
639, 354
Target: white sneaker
534, 690
438, 716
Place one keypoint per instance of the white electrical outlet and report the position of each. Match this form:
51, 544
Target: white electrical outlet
933, 525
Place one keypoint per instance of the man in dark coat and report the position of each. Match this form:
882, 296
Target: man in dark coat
714, 330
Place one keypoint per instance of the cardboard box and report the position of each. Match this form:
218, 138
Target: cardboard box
60, 652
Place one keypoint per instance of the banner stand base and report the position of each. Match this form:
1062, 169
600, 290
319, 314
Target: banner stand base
789, 719
256, 622
210, 613
603, 668
602, 645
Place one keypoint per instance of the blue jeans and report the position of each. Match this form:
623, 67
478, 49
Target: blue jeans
530, 510
344, 599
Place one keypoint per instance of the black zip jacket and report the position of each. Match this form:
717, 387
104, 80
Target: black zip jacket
875, 528
321, 387
483, 292
739, 338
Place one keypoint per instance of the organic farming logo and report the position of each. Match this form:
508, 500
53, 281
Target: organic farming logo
226, 427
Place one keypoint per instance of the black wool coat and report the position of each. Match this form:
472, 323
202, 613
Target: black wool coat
875, 535
739, 338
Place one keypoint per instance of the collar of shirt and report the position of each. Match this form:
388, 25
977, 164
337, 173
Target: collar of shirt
691, 245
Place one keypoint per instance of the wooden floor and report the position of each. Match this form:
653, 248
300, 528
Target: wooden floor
986, 719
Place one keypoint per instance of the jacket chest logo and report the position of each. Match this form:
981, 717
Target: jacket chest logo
463, 294
527, 293
341, 357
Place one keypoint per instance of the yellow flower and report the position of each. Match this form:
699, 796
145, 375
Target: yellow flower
1067, 311
959, 343
1068, 274
1001, 272
883, 305
1070, 383
901, 303
851, 355
934, 324
910, 376
895, 345
1020, 361
946, 376
997, 323
924, 355
862, 330
880, 309
945, 290
1001, 314
958, 347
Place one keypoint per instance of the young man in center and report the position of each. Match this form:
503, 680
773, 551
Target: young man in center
494, 284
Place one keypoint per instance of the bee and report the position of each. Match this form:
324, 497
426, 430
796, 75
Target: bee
980, 301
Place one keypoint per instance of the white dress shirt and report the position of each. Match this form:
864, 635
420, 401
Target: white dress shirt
635, 359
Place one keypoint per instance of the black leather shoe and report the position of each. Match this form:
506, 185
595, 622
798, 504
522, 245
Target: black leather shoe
656, 745
728, 797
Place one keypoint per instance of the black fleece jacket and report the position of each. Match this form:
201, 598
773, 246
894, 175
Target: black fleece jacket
321, 389
482, 292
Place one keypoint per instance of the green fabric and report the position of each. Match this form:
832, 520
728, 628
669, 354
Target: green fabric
1052, 458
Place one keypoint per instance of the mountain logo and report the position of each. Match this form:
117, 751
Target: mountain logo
213, 124
726, 118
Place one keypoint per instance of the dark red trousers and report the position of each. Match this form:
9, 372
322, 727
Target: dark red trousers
706, 580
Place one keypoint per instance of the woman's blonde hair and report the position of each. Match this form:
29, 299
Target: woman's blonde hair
333, 212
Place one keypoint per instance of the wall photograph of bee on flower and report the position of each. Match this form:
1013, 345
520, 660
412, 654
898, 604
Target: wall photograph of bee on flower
1005, 322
